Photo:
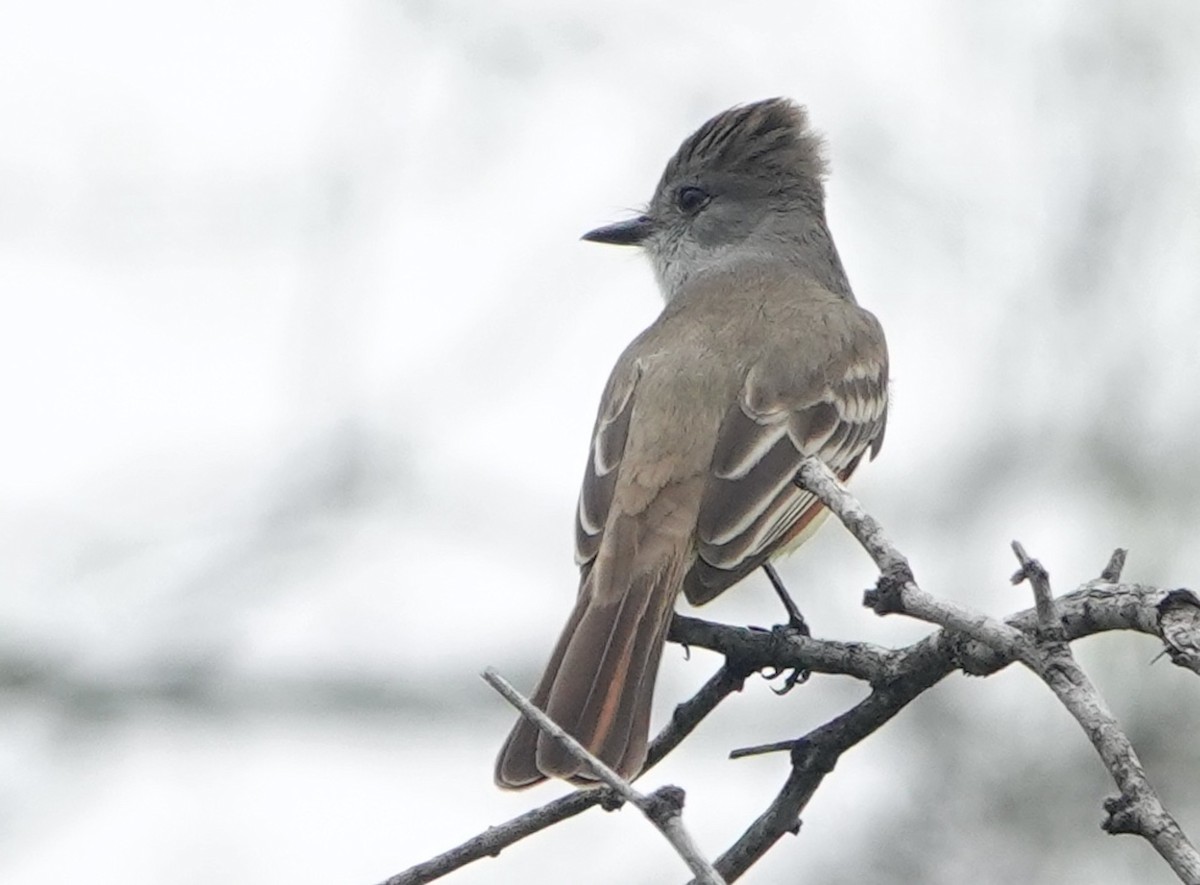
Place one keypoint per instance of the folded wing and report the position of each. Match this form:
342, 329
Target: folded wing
751, 508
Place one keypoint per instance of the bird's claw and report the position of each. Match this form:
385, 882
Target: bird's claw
795, 675
798, 676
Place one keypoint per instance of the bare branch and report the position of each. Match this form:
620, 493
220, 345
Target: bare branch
689, 714
1031, 570
495, 839
491, 841
749, 650
1116, 565
900, 674
1179, 626
663, 807
1138, 809
814, 755
1092, 608
968, 641
897, 590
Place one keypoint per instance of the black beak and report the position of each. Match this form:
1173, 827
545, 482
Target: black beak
624, 233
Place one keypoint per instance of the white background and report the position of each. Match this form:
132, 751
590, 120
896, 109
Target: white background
299, 352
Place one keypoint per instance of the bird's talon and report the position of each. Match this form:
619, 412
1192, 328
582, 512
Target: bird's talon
798, 676
799, 625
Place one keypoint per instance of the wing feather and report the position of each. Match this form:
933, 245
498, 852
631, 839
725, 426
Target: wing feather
604, 457
751, 508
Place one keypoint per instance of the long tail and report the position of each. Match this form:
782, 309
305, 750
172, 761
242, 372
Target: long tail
600, 679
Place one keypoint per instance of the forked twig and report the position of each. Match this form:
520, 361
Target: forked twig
663, 807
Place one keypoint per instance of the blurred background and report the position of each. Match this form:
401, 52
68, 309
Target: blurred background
300, 353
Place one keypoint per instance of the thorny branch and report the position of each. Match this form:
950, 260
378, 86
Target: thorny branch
1044, 650
1138, 809
968, 641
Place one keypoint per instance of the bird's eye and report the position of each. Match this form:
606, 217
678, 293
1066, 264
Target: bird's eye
692, 199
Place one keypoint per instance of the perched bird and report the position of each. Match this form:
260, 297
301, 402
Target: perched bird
760, 357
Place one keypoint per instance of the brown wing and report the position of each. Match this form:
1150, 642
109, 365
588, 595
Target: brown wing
604, 457
751, 508
634, 531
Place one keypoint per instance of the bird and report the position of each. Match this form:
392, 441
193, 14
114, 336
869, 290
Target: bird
760, 358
